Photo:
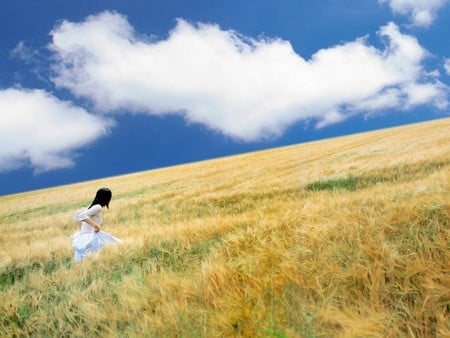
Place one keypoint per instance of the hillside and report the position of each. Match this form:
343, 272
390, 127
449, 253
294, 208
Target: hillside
345, 237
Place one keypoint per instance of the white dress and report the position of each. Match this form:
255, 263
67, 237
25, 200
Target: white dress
87, 240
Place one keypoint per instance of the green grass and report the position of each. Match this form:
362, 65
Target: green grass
12, 274
48, 210
396, 174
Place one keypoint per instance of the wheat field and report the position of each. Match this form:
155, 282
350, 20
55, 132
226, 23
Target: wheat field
346, 237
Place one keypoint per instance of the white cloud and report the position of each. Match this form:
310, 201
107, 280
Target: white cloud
330, 117
419, 94
39, 130
24, 53
421, 12
447, 66
243, 87
34, 58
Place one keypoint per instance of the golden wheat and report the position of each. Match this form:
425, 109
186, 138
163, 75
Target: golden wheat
346, 237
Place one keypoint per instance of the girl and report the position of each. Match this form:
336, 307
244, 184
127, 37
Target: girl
91, 238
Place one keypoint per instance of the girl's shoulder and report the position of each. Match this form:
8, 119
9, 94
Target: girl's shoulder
82, 214
95, 208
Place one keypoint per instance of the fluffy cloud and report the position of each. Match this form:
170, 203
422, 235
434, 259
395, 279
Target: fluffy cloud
39, 130
447, 66
245, 88
421, 12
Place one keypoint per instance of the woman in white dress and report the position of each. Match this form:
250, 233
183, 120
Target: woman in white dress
90, 238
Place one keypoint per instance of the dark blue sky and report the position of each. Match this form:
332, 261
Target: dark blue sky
232, 77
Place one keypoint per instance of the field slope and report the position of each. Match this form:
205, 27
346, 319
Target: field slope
347, 237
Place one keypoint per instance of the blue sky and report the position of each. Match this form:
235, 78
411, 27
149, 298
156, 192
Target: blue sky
92, 89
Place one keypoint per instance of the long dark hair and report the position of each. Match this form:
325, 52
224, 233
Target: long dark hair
103, 197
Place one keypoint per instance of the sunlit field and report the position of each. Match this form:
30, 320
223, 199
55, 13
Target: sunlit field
347, 237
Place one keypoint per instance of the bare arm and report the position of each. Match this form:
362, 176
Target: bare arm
94, 224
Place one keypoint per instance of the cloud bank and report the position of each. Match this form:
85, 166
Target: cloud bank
246, 88
249, 89
421, 12
40, 130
